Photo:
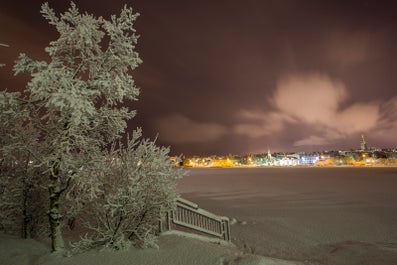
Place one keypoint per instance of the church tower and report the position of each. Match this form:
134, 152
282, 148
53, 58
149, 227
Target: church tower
363, 143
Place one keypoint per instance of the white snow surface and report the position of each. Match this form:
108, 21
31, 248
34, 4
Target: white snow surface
174, 249
281, 216
327, 216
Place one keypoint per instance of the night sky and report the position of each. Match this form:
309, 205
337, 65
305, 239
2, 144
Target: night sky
240, 76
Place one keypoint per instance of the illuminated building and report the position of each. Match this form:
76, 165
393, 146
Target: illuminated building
363, 143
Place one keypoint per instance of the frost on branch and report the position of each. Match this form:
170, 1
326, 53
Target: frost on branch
74, 102
22, 204
137, 188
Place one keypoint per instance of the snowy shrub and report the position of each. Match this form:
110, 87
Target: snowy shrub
22, 204
138, 186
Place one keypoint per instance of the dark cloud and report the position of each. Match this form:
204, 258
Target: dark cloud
177, 129
239, 76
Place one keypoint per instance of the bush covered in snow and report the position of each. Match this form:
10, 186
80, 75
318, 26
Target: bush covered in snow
137, 187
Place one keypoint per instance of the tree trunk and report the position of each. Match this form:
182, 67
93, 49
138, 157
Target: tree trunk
26, 192
26, 214
57, 243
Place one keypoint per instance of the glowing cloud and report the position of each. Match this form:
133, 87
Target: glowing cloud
359, 117
316, 99
311, 98
311, 101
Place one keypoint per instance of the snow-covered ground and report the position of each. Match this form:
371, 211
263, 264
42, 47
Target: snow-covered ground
318, 215
173, 250
281, 216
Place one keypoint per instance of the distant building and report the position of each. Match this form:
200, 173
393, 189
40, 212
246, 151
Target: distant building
308, 159
363, 143
288, 161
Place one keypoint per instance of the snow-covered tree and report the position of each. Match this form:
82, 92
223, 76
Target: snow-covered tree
138, 187
75, 100
21, 200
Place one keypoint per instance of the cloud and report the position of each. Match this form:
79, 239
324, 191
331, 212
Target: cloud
178, 129
260, 123
359, 117
387, 125
389, 113
310, 98
312, 140
317, 100
315, 104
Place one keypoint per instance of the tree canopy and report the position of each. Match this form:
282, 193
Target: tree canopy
74, 107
